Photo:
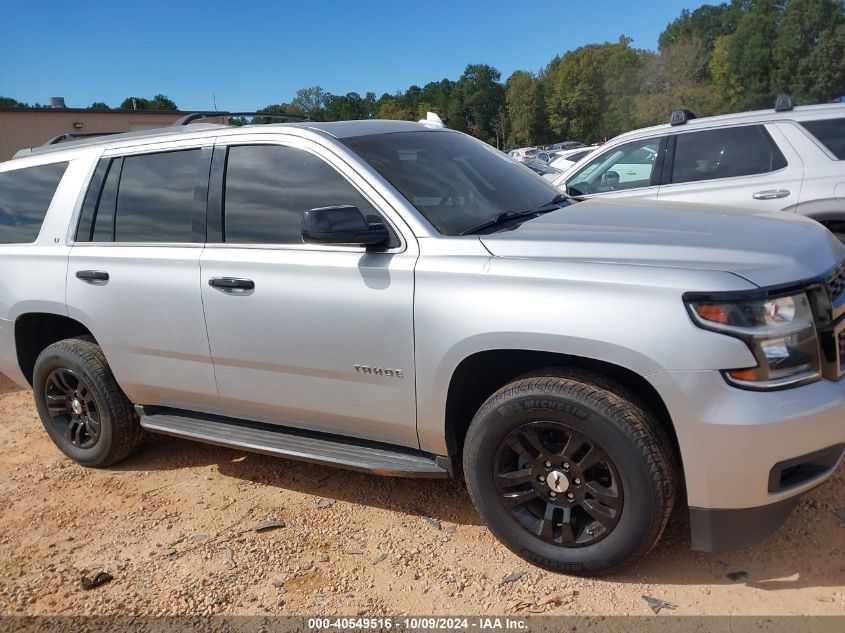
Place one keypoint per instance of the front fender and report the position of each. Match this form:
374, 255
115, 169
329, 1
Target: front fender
629, 316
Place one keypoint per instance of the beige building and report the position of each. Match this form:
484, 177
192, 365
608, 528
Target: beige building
31, 127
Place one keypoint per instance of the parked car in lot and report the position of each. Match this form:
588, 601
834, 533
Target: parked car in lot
524, 154
404, 300
789, 159
565, 145
566, 158
546, 171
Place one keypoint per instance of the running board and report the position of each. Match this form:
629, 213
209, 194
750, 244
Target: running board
279, 441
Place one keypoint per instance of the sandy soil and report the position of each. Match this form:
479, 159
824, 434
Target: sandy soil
172, 524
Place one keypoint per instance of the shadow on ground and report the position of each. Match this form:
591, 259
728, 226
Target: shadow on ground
776, 564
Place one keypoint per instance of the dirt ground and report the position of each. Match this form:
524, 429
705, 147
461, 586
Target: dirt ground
173, 526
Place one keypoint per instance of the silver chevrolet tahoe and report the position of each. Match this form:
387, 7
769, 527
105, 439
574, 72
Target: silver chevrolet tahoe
402, 299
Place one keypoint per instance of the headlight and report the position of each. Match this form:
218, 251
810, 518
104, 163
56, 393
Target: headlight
780, 332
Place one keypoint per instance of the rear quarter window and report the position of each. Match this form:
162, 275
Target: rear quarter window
830, 133
25, 196
729, 152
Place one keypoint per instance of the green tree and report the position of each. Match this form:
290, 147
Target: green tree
809, 61
158, 102
309, 101
480, 97
99, 105
8, 102
825, 68
277, 108
526, 109
391, 108
750, 53
723, 81
707, 23
590, 93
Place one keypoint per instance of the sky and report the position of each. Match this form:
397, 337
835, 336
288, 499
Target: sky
247, 55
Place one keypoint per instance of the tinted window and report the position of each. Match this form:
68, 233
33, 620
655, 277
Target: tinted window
155, 201
268, 188
625, 166
25, 196
578, 155
104, 215
725, 153
830, 133
455, 181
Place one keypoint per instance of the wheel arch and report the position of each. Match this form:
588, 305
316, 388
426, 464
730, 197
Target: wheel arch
479, 375
34, 331
834, 221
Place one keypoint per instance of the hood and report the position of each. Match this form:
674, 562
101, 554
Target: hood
765, 248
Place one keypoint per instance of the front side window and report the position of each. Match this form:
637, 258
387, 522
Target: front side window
269, 187
830, 133
456, 182
725, 153
25, 196
626, 166
155, 197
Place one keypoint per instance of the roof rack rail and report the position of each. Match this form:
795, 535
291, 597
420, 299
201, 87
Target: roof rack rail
679, 117
196, 116
67, 136
783, 103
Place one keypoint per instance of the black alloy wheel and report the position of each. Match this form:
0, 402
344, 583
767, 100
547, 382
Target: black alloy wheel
82, 408
72, 408
559, 485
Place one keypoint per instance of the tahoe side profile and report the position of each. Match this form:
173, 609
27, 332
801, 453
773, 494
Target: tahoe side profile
402, 299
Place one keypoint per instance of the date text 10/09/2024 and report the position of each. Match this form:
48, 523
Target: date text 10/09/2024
418, 623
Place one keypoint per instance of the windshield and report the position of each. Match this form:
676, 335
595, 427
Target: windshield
455, 181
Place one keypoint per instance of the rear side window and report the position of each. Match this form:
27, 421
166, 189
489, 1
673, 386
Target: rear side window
830, 133
155, 199
269, 187
145, 198
725, 153
25, 196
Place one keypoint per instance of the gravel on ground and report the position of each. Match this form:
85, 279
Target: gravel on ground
185, 528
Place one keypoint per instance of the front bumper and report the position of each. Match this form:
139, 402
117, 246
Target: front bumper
748, 456
719, 530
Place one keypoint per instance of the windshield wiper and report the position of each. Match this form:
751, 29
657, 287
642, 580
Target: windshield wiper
507, 216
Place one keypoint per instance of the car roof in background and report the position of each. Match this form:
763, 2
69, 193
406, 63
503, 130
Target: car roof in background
798, 113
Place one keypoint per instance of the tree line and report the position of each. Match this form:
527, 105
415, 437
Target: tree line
733, 56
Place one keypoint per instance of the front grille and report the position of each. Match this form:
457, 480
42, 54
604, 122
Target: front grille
842, 352
828, 298
836, 286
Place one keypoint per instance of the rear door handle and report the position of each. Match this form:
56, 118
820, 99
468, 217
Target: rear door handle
92, 276
771, 194
228, 284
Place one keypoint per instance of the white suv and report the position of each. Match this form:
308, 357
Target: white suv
785, 159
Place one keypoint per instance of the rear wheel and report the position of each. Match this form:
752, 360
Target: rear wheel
81, 406
569, 472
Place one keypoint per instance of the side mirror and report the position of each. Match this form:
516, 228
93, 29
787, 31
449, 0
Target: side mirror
341, 225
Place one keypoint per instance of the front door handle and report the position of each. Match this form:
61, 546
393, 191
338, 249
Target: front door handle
771, 194
231, 284
92, 276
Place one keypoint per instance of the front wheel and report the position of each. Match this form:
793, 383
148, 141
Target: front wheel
569, 472
81, 406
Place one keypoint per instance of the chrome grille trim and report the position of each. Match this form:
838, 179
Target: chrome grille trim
835, 286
